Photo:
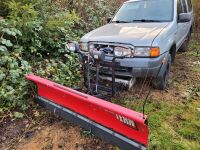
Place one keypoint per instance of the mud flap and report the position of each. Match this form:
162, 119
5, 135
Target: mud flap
118, 125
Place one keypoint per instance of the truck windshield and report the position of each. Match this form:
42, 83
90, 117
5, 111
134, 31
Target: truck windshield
145, 11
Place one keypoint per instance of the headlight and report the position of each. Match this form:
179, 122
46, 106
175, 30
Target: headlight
147, 52
84, 46
73, 47
122, 51
142, 51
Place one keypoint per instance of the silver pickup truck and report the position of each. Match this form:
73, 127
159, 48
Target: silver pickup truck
149, 33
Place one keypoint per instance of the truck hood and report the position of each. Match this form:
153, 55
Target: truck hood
137, 34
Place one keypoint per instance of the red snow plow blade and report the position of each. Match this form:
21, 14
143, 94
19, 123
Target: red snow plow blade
116, 124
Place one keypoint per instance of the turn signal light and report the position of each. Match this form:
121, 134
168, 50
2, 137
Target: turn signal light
155, 52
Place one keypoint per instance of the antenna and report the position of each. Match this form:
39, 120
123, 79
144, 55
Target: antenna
150, 89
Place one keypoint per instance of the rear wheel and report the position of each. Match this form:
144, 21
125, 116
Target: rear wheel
161, 82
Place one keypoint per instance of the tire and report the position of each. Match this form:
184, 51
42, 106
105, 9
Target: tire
161, 82
184, 46
173, 55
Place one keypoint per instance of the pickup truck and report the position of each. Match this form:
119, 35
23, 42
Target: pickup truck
149, 33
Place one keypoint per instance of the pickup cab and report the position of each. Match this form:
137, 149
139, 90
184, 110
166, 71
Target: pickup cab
149, 33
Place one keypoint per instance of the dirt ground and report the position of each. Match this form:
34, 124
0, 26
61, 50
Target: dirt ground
59, 136
44, 131
47, 132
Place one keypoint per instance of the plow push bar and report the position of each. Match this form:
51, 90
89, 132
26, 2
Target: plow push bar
116, 124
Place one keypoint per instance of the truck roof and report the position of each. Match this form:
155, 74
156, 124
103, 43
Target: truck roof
132, 1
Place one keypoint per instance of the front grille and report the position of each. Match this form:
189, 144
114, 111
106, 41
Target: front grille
106, 65
108, 48
102, 47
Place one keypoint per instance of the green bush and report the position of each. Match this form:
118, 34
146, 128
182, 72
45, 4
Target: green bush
33, 41
43, 32
94, 13
13, 87
33, 35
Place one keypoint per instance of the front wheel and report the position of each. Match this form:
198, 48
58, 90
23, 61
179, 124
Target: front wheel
161, 82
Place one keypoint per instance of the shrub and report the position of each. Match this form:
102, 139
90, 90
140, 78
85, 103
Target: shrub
13, 87
33, 35
32, 40
94, 13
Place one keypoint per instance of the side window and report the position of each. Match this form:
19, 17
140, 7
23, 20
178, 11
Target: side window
184, 6
179, 7
189, 3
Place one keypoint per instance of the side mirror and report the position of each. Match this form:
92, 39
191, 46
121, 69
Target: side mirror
73, 47
184, 17
109, 19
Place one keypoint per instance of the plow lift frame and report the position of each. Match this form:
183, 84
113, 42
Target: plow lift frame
118, 125
97, 59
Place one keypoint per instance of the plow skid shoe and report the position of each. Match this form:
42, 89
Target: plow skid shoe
118, 125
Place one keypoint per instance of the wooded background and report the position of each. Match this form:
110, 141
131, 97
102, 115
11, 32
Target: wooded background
33, 34
196, 6
83, 5
114, 4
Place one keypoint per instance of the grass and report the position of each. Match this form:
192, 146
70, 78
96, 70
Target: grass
173, 125
194, 48
196, 69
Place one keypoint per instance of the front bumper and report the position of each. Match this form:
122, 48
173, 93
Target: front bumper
135, 67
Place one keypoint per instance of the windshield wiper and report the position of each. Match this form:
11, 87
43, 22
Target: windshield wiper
146, 20
119, 21
139, 20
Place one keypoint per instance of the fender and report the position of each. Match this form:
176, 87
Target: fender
167, 58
